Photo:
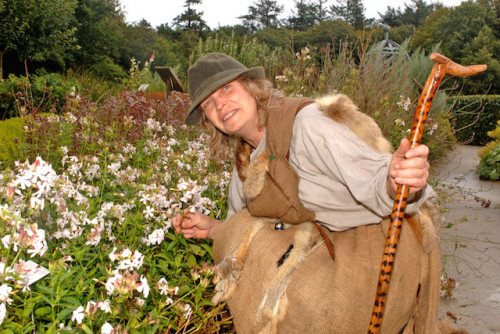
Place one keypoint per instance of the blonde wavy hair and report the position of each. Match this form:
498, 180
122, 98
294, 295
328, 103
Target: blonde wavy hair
265, 95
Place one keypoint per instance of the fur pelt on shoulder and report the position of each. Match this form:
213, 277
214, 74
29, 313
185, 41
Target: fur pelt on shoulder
342, 109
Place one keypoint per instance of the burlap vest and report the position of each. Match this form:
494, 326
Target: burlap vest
279, 197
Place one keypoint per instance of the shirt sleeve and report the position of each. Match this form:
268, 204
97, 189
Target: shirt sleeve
235, 194
355, 172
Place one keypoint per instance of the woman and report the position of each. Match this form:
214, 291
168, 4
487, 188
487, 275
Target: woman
344, 181
320, 161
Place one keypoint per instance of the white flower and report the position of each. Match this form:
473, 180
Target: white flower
106, 329
110, 283
91, 306
105, 306
126, 253
113, 256
139, 301
78, 315
5, 291
64, 328
432, 128
156, 237
145, 198
38, 245
148, 212
3, 312
162, 286
143, 287
399, 121
6, 242
137, 259
188, 311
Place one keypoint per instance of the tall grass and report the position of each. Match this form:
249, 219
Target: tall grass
93, 86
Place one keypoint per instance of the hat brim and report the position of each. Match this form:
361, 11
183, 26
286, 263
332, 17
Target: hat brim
193, 117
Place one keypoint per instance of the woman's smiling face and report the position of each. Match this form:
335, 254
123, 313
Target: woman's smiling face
232, 110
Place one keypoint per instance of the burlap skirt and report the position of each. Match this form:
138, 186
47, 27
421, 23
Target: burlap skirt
286, 282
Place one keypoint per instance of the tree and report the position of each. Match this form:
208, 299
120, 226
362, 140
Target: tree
416, 13
264, 14
191, 18
13, 24
167, 32
333, 32
392, 17
139, 42
351, 11
39, 31
100, 32
467, 35
321, 10
304, 17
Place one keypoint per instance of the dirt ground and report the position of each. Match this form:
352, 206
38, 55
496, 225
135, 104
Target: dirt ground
470, 241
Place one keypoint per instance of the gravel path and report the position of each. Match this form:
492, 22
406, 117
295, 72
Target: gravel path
470, 241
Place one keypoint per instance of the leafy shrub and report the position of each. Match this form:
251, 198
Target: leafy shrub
42, 92
473, 116
489, 165
11, 134
109, 70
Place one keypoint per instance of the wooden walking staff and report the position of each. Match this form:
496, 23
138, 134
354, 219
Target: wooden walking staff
442, 67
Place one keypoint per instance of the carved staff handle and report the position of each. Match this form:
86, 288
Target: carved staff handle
442, 67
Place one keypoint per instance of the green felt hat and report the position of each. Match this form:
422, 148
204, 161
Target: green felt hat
210, 72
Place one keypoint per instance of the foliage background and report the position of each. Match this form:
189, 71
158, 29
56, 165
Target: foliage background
93, 35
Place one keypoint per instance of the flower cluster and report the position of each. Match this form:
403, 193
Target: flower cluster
31, 239
404, 102
100, 220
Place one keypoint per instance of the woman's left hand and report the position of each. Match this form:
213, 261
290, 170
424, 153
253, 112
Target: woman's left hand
409, 167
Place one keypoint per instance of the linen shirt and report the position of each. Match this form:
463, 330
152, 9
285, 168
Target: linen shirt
343, 180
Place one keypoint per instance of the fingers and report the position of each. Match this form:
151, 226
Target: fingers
421, 151
404, 146
181, 221
410, 166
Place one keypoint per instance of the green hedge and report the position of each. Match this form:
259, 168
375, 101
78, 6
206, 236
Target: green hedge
11, 134
473, 116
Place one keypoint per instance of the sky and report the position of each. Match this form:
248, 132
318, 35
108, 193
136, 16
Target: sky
225, 12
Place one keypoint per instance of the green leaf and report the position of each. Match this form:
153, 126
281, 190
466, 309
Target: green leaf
196, 249
86, 329
191, 260
63, 314
29, 328
72, 300
43, 311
